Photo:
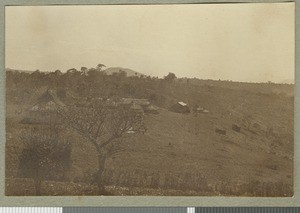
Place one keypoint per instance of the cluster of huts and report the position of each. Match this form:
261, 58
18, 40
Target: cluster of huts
44, 111
140, 105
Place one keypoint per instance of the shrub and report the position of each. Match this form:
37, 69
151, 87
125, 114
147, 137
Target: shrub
44, 157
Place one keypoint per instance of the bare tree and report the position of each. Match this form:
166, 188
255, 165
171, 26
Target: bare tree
102, 123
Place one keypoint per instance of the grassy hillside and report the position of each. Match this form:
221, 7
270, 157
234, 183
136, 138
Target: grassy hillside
179, 147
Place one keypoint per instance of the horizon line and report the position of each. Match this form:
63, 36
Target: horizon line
207, 79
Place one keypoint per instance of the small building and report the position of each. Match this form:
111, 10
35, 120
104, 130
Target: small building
180, 107
137, 104
198, 109
151, 109
44, 111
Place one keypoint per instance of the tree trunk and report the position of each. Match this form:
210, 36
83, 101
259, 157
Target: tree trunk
100, 178
37, 185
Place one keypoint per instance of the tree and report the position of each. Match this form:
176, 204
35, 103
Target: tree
102, 123
44, 157
58, 72
84, 70
72, 70
170, 77
100, 67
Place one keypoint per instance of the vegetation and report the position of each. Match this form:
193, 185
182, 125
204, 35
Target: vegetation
44, 157
170, 77
102, 125
256, 161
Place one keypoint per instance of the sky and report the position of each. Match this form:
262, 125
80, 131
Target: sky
239, 42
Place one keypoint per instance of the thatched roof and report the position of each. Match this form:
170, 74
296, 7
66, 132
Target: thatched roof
48, 101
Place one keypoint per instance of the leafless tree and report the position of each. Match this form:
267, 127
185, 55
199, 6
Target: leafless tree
103, 123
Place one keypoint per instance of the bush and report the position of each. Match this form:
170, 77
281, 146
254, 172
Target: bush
44, 157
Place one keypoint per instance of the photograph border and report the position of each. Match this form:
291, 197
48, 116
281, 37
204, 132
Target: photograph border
142, 201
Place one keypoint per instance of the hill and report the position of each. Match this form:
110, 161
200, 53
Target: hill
130, 72
24, 71
183, 151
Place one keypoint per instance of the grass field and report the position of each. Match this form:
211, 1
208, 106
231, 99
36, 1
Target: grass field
179, 147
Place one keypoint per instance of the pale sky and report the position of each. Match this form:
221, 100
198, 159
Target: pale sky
239, 42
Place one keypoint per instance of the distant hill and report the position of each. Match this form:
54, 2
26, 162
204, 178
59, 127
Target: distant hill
26, 71
111, 70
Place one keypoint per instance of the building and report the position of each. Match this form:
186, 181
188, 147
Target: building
45, 110
180, 107
139, 105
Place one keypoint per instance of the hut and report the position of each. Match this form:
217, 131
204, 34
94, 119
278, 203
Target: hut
137, 104
180, 107
44, 111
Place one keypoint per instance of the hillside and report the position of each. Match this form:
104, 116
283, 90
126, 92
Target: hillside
183, 151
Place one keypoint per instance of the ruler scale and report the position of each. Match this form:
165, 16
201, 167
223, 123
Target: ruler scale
31, 209
149, 209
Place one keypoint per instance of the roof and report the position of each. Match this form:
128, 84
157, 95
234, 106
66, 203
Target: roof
182, 103
48, 101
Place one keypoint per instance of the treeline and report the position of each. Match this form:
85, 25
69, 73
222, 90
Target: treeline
93, 82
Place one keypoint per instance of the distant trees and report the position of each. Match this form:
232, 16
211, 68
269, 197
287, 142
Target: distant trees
58, 72
72, 70
44, 157
102, 124
170, 77
84, 70
88, 82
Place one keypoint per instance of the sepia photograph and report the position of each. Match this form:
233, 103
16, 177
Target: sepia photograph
150, 100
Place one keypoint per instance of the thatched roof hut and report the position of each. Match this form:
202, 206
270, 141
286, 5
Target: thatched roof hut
44, 111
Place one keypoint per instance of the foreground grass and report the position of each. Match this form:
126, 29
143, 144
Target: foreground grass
25, 187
